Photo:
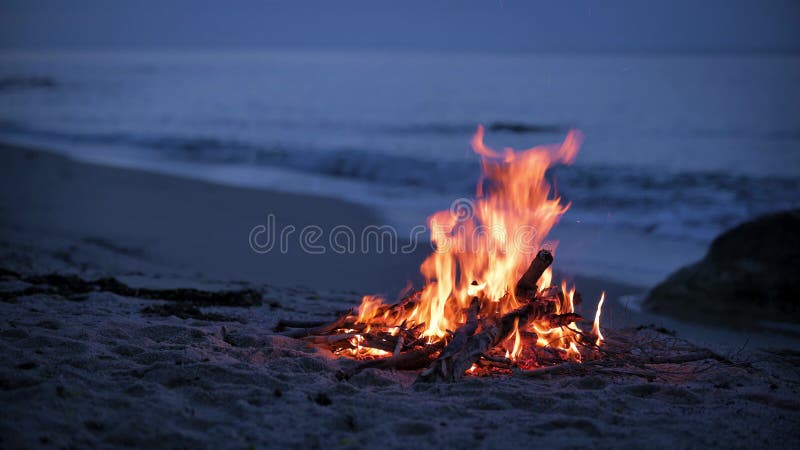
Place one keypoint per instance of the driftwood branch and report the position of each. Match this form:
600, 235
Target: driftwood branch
400, 308
345, 321
612, 366
455, 360
450, 367
283, 324
526, 286
450, 355
331, 338
410, 360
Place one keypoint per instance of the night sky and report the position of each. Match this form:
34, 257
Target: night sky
465, 25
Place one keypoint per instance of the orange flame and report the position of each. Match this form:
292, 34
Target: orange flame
370, 305
546, 279
596, 326
498, 241
485, 251
517, 349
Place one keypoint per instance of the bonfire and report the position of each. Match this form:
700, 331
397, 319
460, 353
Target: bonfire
489, 303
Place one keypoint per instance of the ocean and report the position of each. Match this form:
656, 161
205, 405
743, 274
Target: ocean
676, 146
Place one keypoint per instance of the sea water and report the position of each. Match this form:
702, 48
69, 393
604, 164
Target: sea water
677, 147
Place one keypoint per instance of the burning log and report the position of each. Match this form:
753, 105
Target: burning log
383, 341
562, 320
380, 330
465, 331
410, 360
345, 321
526, 286
330, 339
466, 347
398, 347
451, 366
450, 355
348, 320
498, 360
406, 304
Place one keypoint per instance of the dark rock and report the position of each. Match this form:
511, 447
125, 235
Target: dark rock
751, 273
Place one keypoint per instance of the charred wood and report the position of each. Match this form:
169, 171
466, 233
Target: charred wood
526, 286
410, 360
450, 367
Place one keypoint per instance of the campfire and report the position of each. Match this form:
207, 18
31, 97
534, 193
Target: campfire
489, 304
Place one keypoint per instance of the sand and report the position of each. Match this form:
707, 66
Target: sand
96, 369
183, 226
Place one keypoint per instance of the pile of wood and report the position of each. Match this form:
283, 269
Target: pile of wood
448, 359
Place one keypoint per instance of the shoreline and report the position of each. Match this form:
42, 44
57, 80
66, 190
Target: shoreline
597, 250
188, 226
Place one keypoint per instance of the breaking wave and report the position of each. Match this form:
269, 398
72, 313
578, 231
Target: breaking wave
696, 205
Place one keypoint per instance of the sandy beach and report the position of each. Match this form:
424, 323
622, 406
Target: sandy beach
139, 221
86, 365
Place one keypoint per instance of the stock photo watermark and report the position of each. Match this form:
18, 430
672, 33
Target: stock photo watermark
460, 234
